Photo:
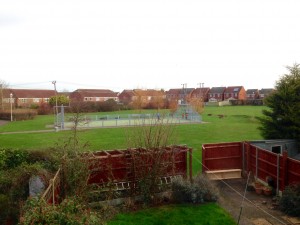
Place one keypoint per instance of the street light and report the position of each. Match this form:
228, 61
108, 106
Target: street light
56, 109
11, 117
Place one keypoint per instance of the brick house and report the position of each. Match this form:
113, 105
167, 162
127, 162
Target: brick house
148, 95
185, 94
265, 92
235, 92
216, 94
28, 97
94, 95
126, 96
252, 94
201, 93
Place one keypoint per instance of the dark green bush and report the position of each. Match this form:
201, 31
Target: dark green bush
200, 191
290, 200
11, 158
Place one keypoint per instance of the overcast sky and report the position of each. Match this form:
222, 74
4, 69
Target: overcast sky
121, 44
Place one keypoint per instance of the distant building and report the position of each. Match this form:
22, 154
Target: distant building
27, 97
252, 94
216, 94
265, 92
235, 92
126, 96
94, 95
201, 93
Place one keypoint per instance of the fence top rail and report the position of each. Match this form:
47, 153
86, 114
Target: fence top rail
123, 152
225, 144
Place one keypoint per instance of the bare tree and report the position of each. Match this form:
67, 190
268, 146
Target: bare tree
197, 104
3, 87
149, 159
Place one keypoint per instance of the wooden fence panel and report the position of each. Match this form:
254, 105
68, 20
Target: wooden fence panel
262, 163
293, 168
222, 156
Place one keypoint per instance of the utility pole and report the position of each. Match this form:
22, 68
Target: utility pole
56, 109
201, 85
184, 93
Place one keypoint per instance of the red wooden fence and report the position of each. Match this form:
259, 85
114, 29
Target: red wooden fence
116, 166
262, 163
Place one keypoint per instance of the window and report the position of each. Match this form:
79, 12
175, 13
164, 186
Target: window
276, 149
97, 99
85, 98
36, 100
23, 100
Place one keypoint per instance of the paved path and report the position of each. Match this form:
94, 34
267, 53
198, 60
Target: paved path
259, 211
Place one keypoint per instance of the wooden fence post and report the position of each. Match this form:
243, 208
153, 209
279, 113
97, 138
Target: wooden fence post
278, 174
284, 169
256, 163
190, 164
248, 158
203, 159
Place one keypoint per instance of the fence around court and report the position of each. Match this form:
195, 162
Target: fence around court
131, 120
247, 157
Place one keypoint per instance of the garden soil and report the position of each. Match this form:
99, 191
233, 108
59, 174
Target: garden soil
259, 210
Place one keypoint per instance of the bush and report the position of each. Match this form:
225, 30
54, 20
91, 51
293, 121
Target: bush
44, 109
18, 114
70, 211
290, 200
200, 191
10, 158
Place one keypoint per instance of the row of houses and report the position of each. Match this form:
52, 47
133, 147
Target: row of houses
28, 97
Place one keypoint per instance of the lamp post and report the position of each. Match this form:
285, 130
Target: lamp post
11, 117
56, 109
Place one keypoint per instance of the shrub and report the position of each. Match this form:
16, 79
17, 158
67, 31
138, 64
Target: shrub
44, 109
18, 114
12, 158
70, 211
290, 200
200, 191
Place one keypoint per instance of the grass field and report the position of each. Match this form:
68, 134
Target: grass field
237, 123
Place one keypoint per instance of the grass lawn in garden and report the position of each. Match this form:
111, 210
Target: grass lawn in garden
206, 214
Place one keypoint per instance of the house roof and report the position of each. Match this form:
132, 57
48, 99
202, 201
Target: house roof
201, 90
148, 92
251, 91
218, 90
125, 92
266, 90
233, 89
174, 91
94, 93
32, 93
186, 90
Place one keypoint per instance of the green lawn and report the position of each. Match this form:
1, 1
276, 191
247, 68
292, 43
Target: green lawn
237, 124
208, 214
